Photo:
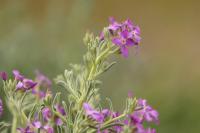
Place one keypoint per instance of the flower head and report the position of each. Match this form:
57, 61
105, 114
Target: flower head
17, 75
42, 80
23, 83
25, 130
124, 35
48, 129
46, 113
94, 114
148, 113
3, 75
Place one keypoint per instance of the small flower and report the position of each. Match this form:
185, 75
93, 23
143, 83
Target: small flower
17, 75
149, 130
3, 75
123, 35
48, 129
25, 84
29, 84
37, 124
61, 110
94, 114
149, 114
106, 113
42, 80
1, 107
58, 121
46, 113
25, 130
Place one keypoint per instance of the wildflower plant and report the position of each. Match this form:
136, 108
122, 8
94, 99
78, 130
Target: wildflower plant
35, 109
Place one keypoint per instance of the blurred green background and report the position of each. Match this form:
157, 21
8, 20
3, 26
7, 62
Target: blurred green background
47, 35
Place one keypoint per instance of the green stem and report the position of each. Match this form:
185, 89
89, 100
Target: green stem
114, 119
98, 59
14, 124
61, 117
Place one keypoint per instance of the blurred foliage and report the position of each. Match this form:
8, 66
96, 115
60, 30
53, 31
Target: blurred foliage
47, 35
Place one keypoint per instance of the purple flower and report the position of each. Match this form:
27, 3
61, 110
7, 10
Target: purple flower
3, 75
114, 25
58, 121
37, 124
48, 129
118, 129
26, 84
94, 114
148, 113
23, 83
1, 107
46, 113
60, 109
25, 130
29, 84
17, 75
124, 35
149, 130
106, 113
42, 80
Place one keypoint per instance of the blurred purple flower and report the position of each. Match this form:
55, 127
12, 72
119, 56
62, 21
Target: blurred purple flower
29, 84
46, 113
60, 109
17, 75
148, 113
48, 129
25, 130
1, 107
25, 84
37, 124
3, 75
94, 114
43, 80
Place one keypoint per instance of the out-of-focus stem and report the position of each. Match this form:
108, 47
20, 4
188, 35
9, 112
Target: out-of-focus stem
14, 125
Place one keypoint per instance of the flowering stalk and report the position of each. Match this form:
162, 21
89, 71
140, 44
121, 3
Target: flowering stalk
35, 109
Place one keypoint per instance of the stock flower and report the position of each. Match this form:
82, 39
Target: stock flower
17, 75
25, 84
25, 130
124, 35
29, 84
3, 75
149, 114
1, 107
42, 80
94, 114
118, 129
48, 129
46, 113
61, 110
37, 124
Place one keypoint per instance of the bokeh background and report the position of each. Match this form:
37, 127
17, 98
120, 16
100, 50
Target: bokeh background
47, 35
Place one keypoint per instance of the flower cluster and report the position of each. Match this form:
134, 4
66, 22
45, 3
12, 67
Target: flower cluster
134, 121
123, 35
23, 84
47, 123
